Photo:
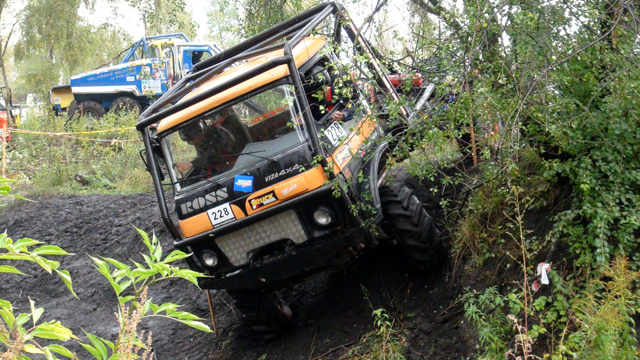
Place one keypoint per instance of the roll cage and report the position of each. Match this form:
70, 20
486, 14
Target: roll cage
286, 36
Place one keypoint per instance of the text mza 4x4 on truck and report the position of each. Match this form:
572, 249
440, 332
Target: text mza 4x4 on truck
276, 159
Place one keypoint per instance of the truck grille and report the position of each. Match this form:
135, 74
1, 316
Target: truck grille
237, 245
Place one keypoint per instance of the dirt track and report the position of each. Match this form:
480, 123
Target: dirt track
331, 308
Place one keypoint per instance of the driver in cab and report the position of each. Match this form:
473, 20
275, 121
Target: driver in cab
213, 142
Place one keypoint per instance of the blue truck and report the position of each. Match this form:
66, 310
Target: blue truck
150, 67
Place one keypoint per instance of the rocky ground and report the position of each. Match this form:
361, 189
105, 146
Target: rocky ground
333, 310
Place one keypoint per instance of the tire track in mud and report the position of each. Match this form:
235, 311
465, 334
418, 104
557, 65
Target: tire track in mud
330, 308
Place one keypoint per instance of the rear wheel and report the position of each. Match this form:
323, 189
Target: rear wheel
125, 104
418, 239
265, 311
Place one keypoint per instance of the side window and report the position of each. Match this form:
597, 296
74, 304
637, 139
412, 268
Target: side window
206, 54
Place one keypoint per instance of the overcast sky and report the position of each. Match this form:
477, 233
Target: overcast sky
129, 18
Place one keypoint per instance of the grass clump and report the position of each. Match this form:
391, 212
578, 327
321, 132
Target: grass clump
385, 342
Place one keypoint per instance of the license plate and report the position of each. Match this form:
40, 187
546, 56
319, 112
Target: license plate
334, 133
221, 215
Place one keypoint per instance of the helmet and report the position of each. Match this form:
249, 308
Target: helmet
192, 130
316, 79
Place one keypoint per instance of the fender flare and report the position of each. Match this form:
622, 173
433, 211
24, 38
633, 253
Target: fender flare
371, 171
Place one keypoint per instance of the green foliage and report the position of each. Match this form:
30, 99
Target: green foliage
130, 284
485, 311
63, 164
602, 314
165, 17
550, 92
56, 41
19, 250
230, 21
17, 336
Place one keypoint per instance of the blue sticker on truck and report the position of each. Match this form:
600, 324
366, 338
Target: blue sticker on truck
243, 183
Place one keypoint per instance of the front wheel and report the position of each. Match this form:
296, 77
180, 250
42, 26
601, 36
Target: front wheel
265, 311
418, 238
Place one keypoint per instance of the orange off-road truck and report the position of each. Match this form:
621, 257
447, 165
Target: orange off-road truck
275, 155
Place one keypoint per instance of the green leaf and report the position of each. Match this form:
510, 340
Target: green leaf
35, 313
92, 350
10, 270
4, 304
145, 239
32, 349
175, 255
23, 243
49, 250
122, 266
61, 350
196, 325
44, 263
52, 330
98, 345
157, 253
126, 299
22, 319
146, 307
48, 354
3, 239
165, 307
66, 279
7, 316
16, 257
142, 273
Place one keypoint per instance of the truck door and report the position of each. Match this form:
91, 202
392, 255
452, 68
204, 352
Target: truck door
192, 55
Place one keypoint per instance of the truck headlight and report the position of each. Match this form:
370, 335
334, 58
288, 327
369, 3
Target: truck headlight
322, 217
209, 258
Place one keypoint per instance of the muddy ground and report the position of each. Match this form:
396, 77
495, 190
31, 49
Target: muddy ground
332, 311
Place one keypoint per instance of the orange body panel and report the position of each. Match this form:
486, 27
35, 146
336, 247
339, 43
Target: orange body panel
195, 225
237, 212
311, 179
301, 53
343, 154
287, 189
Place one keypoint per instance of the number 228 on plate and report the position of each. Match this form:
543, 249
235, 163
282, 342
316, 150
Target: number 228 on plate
221, 214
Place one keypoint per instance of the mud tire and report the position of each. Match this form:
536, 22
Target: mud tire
71, 110
91, 108
125, 104
265, 311
418, 238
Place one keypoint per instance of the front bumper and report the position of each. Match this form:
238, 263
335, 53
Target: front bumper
292, 267
279, 262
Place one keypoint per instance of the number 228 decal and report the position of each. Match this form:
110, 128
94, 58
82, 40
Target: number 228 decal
334, 133
221, 215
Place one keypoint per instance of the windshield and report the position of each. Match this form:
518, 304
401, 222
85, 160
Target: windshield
231, 139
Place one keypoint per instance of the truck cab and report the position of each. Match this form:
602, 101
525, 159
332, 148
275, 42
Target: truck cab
150, 67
